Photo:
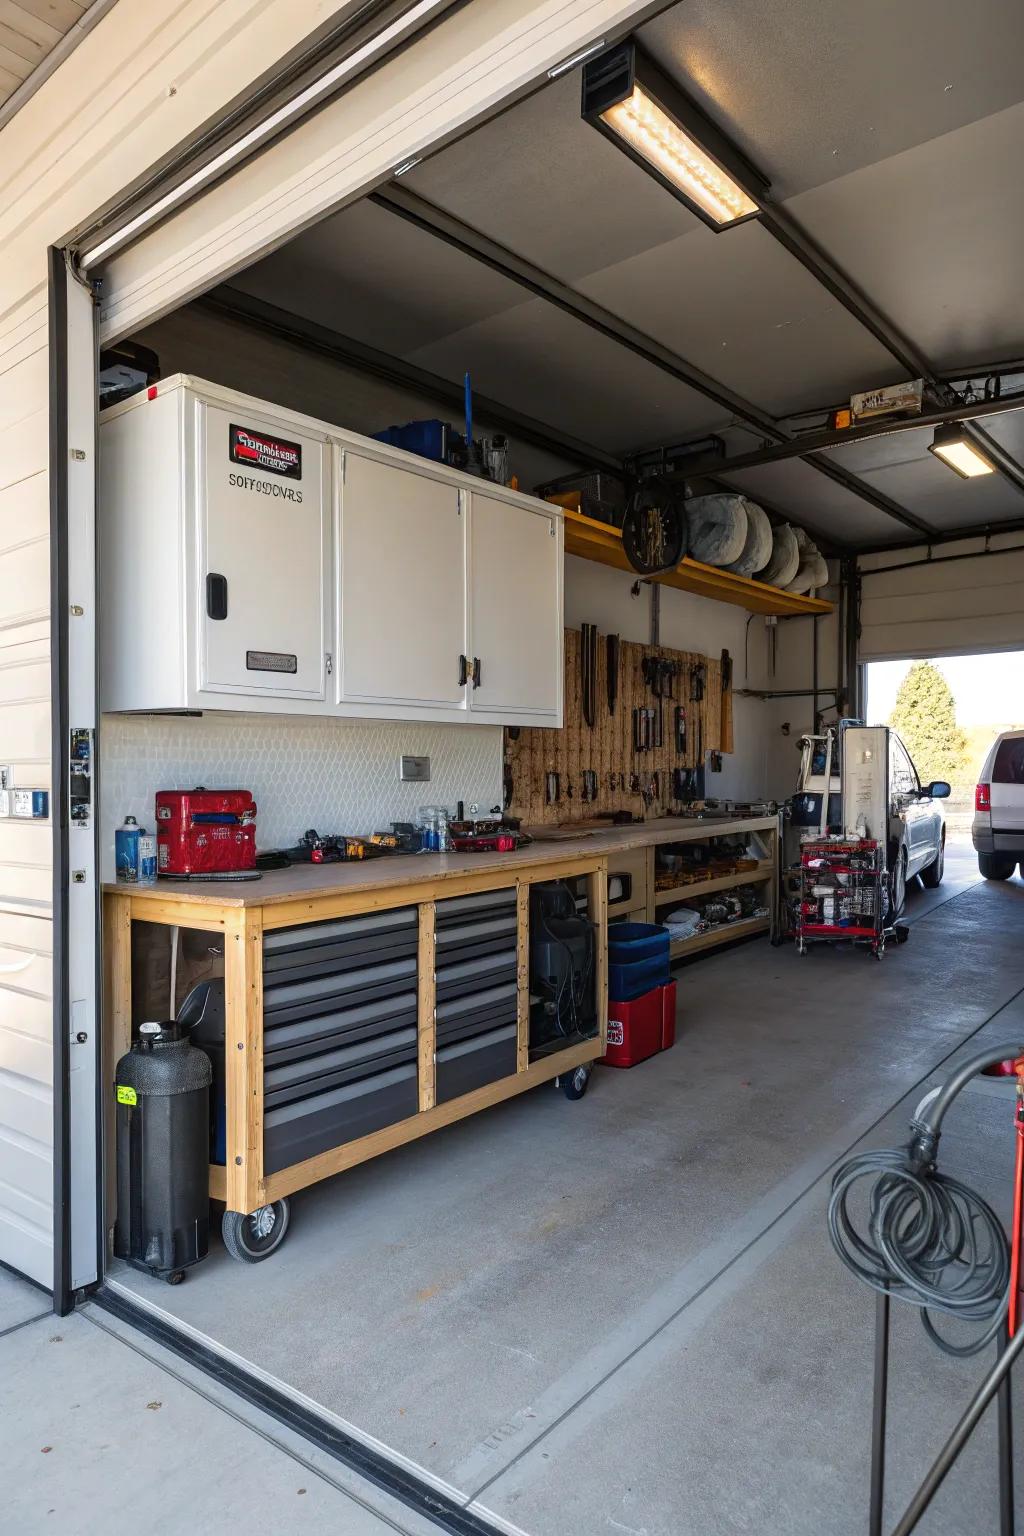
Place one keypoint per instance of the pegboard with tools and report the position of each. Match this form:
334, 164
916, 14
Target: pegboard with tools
656, 715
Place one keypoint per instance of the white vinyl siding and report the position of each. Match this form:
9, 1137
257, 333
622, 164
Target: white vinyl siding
26, 850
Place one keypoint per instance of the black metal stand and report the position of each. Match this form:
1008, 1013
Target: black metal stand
997, 1384
879, 1408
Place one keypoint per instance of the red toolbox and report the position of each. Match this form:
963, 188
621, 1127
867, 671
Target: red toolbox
641, 1028
205, 831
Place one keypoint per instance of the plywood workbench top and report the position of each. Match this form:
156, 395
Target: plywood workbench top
549, 847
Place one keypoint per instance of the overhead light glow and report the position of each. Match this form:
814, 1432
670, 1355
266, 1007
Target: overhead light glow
952, 445
649, 131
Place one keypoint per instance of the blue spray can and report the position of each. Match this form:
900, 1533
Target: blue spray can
126, 851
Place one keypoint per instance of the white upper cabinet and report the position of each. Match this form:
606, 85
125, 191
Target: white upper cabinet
402, 586
255, 559
261, 533
515, 604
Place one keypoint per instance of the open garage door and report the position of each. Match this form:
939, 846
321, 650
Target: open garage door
952, 605
480, 56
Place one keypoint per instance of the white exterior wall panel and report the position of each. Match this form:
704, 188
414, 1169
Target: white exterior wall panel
137, 85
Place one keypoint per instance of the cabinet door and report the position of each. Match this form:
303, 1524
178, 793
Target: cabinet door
261, 558
402, 549
515, 609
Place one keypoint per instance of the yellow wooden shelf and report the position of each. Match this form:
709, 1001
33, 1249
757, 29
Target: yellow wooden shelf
591, 540
680, 948
764, 871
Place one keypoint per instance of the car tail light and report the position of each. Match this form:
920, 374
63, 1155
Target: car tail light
982, 798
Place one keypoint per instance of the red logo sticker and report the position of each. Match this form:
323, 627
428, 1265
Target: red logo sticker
259, 451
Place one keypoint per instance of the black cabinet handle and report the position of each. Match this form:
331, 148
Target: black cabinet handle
463, 671
476, 671
216, 595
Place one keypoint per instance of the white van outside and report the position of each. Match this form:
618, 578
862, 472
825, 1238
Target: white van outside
998, 827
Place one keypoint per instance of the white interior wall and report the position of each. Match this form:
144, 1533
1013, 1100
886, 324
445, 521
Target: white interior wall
787, 719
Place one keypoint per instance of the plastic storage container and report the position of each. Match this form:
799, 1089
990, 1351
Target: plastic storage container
638, 959
640, 1028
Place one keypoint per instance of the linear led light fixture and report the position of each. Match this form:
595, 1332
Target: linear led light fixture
629, 99
952, 445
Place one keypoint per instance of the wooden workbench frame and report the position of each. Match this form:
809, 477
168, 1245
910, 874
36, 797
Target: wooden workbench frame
242, 1183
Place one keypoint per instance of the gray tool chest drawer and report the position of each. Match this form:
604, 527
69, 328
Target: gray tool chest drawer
340, 1019
476, 993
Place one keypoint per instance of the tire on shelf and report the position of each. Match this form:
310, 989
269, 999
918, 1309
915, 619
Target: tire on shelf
812, 570
785, 557
717, 527
757, 546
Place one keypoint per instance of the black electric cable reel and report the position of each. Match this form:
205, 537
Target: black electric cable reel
654, 528
925, 1238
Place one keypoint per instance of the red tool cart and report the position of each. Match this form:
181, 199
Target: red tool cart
842, 893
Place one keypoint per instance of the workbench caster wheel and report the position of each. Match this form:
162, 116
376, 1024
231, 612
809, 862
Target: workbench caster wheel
254, 1238
574, 1084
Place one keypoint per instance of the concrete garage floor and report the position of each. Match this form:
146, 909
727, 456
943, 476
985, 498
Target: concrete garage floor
624, 1314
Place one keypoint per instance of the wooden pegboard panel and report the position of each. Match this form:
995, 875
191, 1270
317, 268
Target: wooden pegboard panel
607, 747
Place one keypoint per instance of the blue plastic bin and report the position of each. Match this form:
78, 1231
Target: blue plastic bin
638, 959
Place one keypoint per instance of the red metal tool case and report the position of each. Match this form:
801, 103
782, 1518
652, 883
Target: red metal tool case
205, 831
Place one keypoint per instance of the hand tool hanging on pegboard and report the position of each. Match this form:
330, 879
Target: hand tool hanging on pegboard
588, 672
612, 670
698, 672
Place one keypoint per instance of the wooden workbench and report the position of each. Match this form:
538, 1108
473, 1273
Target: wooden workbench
304, 894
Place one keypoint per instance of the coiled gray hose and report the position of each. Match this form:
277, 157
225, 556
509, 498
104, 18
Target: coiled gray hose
929, 1240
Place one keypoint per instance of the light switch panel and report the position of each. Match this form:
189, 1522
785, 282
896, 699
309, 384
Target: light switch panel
414, 770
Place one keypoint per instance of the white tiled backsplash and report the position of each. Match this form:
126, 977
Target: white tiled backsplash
335, 775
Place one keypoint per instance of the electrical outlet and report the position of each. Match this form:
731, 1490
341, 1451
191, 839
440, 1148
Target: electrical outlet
414, 770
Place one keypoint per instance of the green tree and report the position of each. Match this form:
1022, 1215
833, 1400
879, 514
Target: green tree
925, 717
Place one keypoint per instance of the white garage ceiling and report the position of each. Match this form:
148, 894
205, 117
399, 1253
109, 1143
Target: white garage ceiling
890, 135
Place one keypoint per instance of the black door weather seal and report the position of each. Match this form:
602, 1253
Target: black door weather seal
390, 1476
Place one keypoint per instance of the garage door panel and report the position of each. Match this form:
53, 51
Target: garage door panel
22, 1055
454, 75
25, 511
26, 1193
1001, 597
944, 607
25, 583
26, 1108
926, 638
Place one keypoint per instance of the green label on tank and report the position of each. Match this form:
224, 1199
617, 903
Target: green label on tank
126, 1095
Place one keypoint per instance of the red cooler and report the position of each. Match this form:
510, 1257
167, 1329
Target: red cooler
205, 831
641, 1028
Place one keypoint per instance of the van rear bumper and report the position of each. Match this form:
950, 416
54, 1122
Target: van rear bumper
991, 840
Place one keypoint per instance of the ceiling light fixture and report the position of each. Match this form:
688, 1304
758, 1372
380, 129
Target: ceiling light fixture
953, 446
632, 102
